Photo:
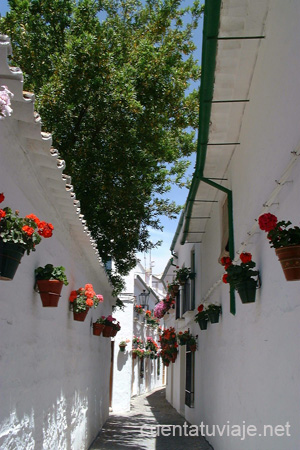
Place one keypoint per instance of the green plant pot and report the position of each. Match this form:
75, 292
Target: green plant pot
203, 324
247, 291
213, 316
10, 258
122, 348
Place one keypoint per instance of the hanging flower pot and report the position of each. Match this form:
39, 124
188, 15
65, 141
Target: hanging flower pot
202, 324
17, 235
122, 348
193, 348
49, 291
10, 258
98, 328
107, 331
247, 291
289, 258
213, 312
80, 316
134, 355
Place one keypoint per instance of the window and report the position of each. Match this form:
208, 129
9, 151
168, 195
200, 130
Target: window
189, 377
186, 297
224, 230
177, 304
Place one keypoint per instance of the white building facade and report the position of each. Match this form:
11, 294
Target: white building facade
54, 382
246, 370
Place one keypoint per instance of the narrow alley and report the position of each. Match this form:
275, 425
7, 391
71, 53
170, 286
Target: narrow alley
144, 425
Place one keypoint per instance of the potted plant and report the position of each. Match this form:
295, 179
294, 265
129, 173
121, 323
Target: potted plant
17, 235
169, 346
138, 309
98, 326
286, 241
123, 345
213, 312
242, 277
202, 317
49, 281
183, 338
173, 288
111, 327
183, 274
137, 352
137, 342
82, 300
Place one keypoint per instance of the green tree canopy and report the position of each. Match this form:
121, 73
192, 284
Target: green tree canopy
110, 79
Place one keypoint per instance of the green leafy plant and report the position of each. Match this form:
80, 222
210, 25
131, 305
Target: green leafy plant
183, 274
237, 274
280, 234
25, 231
51, 273
214, 308
119, 305
101, 320
202, 314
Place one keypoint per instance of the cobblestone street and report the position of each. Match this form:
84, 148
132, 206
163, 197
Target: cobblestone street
151, 409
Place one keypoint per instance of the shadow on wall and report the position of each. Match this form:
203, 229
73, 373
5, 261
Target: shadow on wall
122, 359
63, 426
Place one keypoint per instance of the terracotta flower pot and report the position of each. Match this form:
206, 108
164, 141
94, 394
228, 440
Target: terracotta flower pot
114, 332
80, 316
10, 258
289, 258
134, 355
97, 328
49, 291
193, 348
107, 330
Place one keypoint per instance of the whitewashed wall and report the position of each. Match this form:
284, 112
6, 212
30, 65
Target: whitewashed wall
54, 384
248, 366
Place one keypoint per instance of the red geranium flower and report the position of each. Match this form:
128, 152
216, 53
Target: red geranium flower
28, 230
245, 257
224, 279
2, 197
226, 261
2, 213
200, 308
89, 302
73, 295
267, 222
34, 218
45, 229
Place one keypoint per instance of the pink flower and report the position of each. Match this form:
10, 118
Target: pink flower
100, 298
5, 96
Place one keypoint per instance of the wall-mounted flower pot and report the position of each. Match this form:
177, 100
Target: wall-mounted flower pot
203, 324
49, 291
247, 291
122, 348
97, 328
193, 348
10, 258
107, 330
80, 316
134, 355
289, 258
213, 316
114, 332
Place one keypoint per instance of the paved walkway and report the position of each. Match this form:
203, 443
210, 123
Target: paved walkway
124, 431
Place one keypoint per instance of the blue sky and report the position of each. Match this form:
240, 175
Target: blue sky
161, 255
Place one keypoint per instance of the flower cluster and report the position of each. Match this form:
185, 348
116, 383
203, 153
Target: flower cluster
187, 338
5, 97
160, 310
138, 309
279, 233
151, 345
83, 298
137, 342
237, 274
25, 231
169, 346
